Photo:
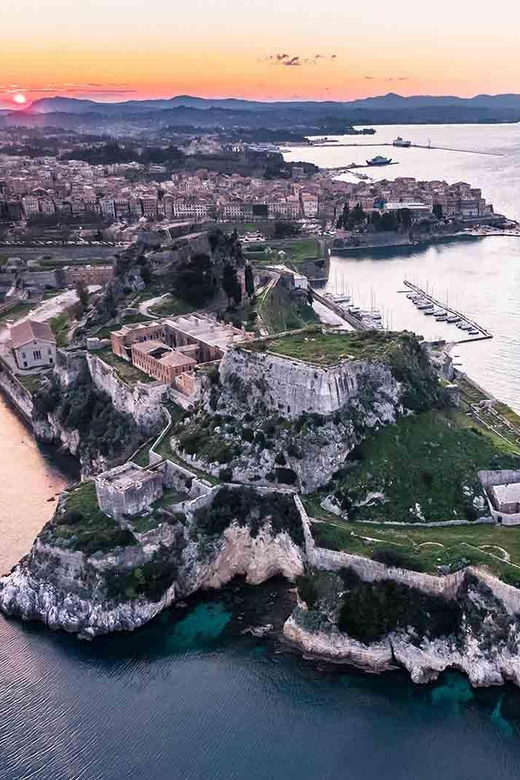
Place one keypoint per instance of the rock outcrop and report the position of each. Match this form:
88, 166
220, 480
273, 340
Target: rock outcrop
484, 643
271, 418
72, 412
93, 594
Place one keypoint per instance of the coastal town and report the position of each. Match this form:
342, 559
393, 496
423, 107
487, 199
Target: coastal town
165, 324
259, 390
40, 195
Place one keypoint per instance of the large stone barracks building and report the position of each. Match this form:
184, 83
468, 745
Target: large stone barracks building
169, 349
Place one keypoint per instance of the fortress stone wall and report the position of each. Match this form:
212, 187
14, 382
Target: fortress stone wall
291, 387
142, 401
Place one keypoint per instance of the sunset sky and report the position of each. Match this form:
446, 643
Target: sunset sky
289, 49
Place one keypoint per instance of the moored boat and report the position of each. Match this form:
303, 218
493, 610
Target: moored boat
379, 160
402, 143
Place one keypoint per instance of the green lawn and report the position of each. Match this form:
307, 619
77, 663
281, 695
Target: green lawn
84, 527
126, 371
281, 313
171, 306
60, 328
427, 460
301, 249
296, 251
16, 312
427, 549
329, 347
30, 382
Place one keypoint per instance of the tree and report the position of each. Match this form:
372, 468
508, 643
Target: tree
437, 210
286, 229
195, 280
231, 285
82, 293
357, 215
249, 280
344, 218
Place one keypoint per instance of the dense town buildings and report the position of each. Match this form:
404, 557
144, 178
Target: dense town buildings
125, 193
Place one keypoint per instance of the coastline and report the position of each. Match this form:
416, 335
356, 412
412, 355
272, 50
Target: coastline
445, 239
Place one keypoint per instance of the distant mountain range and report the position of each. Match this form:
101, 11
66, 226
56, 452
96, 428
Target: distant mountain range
391, 101
306, 117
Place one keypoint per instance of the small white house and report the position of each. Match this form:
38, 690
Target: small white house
33, 345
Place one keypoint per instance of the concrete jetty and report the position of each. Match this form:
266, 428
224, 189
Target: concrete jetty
484, 334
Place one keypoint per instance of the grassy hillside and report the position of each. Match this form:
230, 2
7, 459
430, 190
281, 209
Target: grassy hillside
424, 468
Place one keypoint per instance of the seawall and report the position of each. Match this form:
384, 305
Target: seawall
16, 393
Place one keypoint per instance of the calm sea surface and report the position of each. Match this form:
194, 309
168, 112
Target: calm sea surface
191, 698
480, 277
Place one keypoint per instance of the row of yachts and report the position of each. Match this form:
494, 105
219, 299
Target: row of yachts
371, 318
442, 315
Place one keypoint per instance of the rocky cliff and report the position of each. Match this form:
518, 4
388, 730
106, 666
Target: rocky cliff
90, 591
468, 621
70, 411
271, 418
91, 576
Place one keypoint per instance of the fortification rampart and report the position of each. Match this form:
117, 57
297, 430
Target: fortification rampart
143, 402
291, 387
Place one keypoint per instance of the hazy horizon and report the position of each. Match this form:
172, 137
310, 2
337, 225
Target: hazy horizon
251, 48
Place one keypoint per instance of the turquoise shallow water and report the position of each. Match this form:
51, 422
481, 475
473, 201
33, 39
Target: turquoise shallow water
188, 699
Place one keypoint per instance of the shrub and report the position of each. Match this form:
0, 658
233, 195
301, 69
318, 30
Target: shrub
307, 590
286, 476
397, 558
294, 452
260, 439
370, 611
225, 474
249, 508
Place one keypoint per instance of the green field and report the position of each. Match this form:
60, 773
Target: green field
171, 306
31, 382
328, 347
60, 328
427, 549
422, 469
16, 312
301, 249
280, 312
296, 251
83, 526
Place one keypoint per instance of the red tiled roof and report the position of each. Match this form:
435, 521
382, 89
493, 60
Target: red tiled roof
30, 330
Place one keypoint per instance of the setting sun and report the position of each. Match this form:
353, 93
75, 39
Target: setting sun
19, 98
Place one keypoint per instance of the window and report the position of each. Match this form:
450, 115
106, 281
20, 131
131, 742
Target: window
23, 355
37, 355
25, 363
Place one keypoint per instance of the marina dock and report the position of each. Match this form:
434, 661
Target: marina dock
484, 334
412, 146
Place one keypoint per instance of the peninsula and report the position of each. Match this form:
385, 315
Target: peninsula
276, 455
223, 430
